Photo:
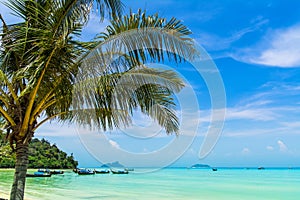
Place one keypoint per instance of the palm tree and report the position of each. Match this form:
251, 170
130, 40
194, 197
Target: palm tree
46, 73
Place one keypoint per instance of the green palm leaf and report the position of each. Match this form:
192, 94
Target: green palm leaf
120, 94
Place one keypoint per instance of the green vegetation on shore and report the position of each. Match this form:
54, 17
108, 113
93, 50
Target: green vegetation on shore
41, 155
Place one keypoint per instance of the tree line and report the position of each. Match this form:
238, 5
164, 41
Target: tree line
41, 155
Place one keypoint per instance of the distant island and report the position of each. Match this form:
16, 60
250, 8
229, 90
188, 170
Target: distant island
113, 164
41, 155
200, 166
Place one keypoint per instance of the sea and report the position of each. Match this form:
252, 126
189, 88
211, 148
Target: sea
164, 184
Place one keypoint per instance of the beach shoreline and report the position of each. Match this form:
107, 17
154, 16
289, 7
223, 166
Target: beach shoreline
4, 195
188, 184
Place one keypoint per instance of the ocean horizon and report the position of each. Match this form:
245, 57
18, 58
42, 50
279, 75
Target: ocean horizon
168, 183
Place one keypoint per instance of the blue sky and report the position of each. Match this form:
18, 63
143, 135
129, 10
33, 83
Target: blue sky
256, 48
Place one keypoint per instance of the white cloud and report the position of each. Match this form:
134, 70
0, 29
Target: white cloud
258, 114
270, 148
54, 129
245, 150
253, 131
215, 43
95, 25
240, 113
258, 103
292, 124
114, 144
140, 119
279, 48
282, 146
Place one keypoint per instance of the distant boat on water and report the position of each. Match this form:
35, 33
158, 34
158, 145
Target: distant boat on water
39, 174
119, 171
44, 170
260, 168
85, 172
51, 171
101, 171
214, 169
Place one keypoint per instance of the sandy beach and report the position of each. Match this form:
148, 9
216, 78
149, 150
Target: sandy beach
4, 195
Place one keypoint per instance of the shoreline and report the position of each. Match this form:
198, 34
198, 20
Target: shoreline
4, 195
186, 184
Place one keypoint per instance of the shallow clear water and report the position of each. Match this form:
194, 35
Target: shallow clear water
164, 184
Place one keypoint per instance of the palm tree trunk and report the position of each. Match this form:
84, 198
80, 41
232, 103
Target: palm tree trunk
17, 190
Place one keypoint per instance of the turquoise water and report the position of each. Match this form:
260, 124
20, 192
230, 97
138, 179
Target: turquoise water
164, 184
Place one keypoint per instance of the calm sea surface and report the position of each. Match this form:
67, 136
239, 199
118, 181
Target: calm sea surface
240, 184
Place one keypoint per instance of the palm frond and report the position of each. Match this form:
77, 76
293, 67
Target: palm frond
115, 8
145, 36
112, 75
121, 93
